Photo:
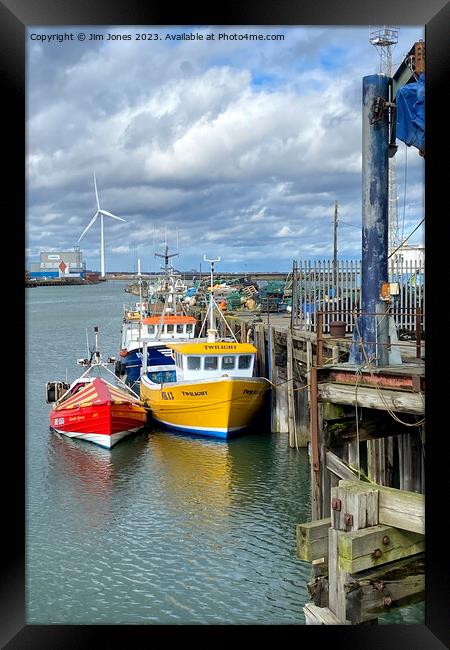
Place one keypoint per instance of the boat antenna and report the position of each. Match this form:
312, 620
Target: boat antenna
96, 352
211, 332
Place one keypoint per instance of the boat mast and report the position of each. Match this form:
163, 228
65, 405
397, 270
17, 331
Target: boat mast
211, 332
140, 296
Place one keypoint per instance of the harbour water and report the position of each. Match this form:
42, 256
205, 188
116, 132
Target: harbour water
163, 528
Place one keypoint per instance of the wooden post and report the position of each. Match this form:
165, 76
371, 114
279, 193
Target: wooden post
290, 393
389, 460
243, 332
353, 456
261, 345
376, 461
418, 333
319, 350
309, 363
316, 427
410, 462
273, 376
353, 509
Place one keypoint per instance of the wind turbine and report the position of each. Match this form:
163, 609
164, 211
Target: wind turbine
102, 242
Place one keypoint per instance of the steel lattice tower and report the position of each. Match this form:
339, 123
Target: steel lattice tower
385, 38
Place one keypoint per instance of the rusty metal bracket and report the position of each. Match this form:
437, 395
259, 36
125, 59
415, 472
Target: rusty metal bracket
336, 504
348, 519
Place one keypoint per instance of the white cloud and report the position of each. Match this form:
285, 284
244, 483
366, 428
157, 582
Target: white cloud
233, 147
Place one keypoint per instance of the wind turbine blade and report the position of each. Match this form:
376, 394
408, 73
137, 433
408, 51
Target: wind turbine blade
88, 226
96, 193
108, 214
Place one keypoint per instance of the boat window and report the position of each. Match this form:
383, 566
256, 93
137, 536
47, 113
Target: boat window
189, 328
162, 376
244, 361
169, 328
180, 329
151, 329
193, 363
228, 362
211, 363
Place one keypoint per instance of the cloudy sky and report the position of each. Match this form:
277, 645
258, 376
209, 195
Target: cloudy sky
239, 147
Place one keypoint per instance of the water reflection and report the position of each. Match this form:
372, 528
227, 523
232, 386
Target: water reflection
195, 471
89, 476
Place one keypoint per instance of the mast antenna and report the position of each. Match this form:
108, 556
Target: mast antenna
212, 331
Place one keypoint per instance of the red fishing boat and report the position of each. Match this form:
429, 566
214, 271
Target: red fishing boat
94, 409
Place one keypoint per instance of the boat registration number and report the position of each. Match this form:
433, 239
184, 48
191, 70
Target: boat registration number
167, 394
59, 420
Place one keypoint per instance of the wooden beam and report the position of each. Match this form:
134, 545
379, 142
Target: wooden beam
372, 547
315, 615
395, 400
373, 592
312, 540
339, 467
397, 508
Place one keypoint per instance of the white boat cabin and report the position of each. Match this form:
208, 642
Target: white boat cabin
156, 328
211, 360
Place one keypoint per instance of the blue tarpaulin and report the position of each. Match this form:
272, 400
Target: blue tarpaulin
410, 102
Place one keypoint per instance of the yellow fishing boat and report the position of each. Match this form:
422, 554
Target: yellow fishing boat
214, 392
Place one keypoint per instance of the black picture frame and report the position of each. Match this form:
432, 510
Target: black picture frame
15, 17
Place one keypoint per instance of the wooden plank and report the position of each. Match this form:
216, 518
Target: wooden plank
299, 355
339, 467
315, 615
395, 400
371, 547
397, 508
312, 540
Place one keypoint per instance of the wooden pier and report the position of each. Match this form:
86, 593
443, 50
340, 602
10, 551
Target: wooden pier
364, 429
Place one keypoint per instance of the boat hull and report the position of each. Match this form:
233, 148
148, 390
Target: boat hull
219, 408
103, 424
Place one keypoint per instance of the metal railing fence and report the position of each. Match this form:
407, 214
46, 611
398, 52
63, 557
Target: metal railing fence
318, 285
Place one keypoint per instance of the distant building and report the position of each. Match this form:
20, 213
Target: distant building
67, 264
411, 256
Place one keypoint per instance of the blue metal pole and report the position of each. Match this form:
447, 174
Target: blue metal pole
373, 330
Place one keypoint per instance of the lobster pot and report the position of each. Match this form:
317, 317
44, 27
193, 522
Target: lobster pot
54, 390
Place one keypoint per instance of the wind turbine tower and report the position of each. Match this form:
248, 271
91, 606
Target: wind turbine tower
102, 213
385, 38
